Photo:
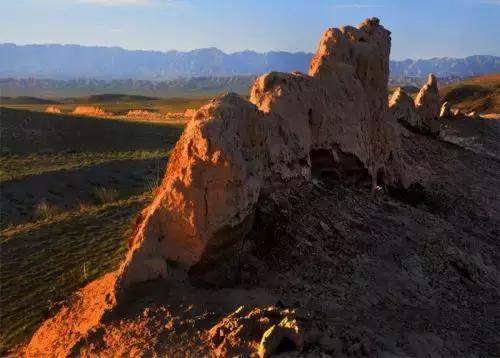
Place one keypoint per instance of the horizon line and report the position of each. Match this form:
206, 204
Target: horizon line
224, 52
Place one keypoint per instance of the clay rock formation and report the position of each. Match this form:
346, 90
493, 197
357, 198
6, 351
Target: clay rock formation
416, 115
427, 101
445, 111
473, 115
89, 111
144, 114
334, 121
265, 331
52, 109
403, 110
189, 113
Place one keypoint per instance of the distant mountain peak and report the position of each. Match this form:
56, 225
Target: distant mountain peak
75, 61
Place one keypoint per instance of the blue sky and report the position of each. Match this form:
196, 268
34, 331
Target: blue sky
421, 28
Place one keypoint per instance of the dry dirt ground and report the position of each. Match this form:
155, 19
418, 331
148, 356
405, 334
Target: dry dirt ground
392, 274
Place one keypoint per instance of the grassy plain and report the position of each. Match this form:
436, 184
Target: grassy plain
113, 103
71, 188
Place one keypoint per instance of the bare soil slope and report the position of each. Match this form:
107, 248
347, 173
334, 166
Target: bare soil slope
396, 273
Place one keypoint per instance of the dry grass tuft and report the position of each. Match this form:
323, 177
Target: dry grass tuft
106, 195
45, 210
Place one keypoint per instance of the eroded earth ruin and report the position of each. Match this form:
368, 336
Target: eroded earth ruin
305, 220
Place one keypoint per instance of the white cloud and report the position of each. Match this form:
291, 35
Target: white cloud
355, 6
116, 2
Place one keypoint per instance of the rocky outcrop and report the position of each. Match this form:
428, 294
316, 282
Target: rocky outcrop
417, 115
427, 101
189, 113
403, 110
445, 111
333, 121
89, 111
473, 115
144, 114
52, 109
284, 336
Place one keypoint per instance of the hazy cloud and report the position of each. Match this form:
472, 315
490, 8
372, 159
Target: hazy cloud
116, 2
355, 6
158, 3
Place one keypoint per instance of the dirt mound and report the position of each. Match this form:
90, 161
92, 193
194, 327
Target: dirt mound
89, 111
86, 312
296, 202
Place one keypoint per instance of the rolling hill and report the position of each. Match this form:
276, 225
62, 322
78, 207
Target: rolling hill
480, 94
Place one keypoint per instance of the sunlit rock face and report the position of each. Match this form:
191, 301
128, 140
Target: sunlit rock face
445, 111
419, 115
427, 101
403, 109
89, 111
333, 121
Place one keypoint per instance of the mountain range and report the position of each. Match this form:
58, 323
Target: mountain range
65, 62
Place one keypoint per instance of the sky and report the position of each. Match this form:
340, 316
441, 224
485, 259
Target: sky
420, 28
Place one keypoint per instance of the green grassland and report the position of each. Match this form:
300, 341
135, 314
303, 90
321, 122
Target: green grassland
71, 189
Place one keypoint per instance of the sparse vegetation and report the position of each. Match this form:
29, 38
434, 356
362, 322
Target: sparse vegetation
62, 243
115, 104
19, 166
45, 210
106, 195
57, 255
479, 94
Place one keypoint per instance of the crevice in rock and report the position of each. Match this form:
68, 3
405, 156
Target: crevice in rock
346, 167
218, 267
285, 345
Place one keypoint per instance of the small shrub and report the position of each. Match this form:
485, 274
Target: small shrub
154, 181
83, 206
106, 195
46, 210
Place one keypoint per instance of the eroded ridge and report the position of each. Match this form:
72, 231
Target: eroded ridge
333, 121
234, 151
